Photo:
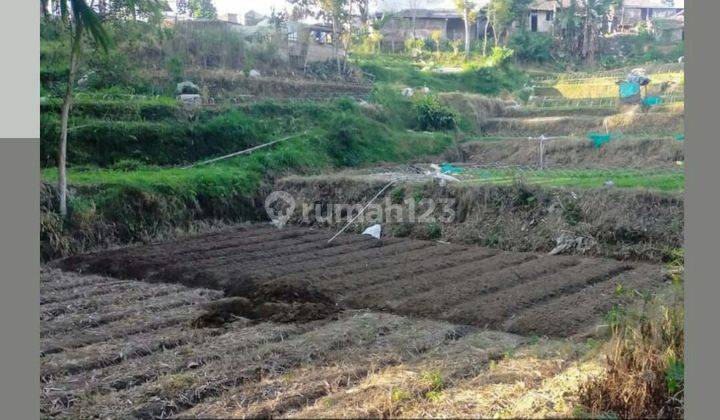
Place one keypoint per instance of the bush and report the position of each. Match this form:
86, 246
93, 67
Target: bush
127, 165
108, 70
345, 138
433, 115
231, 130
499, 56
531, 47
433, 231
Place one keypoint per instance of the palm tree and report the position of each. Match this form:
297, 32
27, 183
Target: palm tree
84, 20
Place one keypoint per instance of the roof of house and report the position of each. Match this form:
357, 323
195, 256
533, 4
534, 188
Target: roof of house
655, 4
543, 5
431, 12
428, 14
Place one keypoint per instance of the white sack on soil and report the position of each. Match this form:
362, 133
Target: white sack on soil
373, 231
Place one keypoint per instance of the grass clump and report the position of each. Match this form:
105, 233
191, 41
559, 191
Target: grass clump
645, 375
433, 231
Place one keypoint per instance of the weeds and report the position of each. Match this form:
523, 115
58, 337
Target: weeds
645, 376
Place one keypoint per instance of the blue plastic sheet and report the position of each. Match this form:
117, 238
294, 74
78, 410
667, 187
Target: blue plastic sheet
599, 139
629, 89
448, 168
652, 101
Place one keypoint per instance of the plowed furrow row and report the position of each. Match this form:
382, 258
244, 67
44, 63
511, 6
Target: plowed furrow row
121, 378
113, 352
145, 372
329, 343
106, 315
349, 262
386, 295
569, 313
492, 309
362, 281
91, 291
72, 282
98, 303
234, 275
122, 328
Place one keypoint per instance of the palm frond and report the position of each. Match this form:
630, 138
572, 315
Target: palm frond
88, 20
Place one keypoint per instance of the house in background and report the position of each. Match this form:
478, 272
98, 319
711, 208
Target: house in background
669, 30
229, 17
421, 23
399, 26
252, 18
633, 12
541, 16
308, 43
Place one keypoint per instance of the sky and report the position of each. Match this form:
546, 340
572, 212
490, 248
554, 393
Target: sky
264, 6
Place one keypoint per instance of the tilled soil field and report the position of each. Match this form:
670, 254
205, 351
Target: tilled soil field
257, 321
295, 275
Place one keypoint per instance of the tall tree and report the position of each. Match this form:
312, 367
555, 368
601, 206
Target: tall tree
202, 9
504, 13
414, 5
594, 15
467, 9
45, 8
364, 11
82, 19
488, 18
335, 12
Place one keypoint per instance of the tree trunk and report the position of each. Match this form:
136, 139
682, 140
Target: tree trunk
588, 49
45, 12
496, 30
467, 32
64, 116
485, 40
364, 7
335, 43
413, 23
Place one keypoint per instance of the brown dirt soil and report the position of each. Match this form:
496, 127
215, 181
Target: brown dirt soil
286, 341
467, 285
576, 153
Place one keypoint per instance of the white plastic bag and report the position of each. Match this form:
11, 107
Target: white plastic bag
373, 231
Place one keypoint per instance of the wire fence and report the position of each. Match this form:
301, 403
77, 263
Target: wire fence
601, 102
609, 74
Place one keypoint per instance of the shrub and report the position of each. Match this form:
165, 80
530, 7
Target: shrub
531, 47
433, 115
433, 231
345, 139
127, 165
108, 70
402, 230
499, 56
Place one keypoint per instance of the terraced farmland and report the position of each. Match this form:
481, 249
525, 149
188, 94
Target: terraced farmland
185, 326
